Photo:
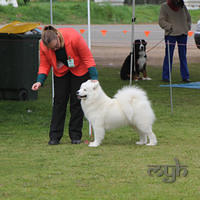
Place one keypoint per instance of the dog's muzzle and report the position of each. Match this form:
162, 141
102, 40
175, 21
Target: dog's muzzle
80, 96
141, 47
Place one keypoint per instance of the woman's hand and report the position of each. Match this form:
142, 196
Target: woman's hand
36, 86
94, 80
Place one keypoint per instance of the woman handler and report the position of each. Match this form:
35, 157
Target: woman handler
66, 51
176, 21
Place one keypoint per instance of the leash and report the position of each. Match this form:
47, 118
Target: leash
155, 45
159, 42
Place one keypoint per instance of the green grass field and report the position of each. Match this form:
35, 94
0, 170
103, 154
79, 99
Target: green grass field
117, 170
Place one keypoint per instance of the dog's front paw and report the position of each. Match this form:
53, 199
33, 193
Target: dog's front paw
93, 144
146, 78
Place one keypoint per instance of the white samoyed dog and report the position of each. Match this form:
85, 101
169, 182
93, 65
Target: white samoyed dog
130, 106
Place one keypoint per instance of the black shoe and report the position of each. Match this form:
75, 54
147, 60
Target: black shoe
53, 142
165, 80
186, 80
76, 141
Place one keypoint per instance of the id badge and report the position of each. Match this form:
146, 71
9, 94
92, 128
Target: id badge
70, 62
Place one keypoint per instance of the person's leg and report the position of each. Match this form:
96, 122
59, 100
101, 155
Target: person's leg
76, 119
182, 50
172, 43
61, 97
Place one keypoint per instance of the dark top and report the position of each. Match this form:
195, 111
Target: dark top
61, 55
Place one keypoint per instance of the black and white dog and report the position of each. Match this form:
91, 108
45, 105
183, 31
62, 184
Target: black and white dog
138, 64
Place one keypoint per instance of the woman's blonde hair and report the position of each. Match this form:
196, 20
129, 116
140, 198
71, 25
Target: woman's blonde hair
50, 33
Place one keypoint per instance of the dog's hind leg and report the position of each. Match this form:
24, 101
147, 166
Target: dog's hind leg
144, 133
143, 138
99, 133
152, 138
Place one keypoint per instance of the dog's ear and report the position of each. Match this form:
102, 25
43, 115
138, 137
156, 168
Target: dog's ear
136, 42
96, 85
144, 42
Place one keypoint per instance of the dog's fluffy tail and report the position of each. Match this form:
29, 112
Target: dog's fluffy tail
129, 93
135, 104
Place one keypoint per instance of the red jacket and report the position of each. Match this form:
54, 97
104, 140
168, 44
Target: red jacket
76, 48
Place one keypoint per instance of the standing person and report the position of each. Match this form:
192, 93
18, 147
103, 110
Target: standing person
66, 51
176, 21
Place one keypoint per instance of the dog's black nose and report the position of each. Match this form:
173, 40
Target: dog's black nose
77, 93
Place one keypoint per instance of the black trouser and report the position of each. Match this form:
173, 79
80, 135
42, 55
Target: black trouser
65, 88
